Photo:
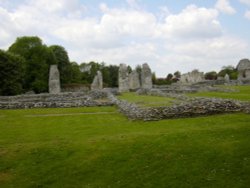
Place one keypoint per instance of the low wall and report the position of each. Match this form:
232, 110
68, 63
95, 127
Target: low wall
190, 108
61, 100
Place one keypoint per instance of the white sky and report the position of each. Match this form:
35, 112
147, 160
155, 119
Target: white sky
168, 35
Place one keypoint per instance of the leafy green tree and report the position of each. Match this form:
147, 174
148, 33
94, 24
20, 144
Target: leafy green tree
75, 73
230, 70
154, 79
129, 69
211, 75
177, 74
169, 77
11, 73
63, 62
138, 69
38, 57
113, 73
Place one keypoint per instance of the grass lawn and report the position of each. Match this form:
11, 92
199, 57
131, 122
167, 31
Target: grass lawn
242, 93
85, 148
146, 100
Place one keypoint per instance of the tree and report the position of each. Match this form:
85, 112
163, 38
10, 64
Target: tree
211, 75
11, 73
138, 69
154, 80
38, 57
129, 69
75, 73
113, 72
230, 70
63, 62
169, 77
177, 74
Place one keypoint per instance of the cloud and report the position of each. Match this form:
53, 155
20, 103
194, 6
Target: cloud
133, 4
247, 2
192, 38
225, 7
247, 14
192, 22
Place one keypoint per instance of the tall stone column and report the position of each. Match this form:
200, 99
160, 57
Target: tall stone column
54, 80
97, 83
146, 77
134, 81
123, 81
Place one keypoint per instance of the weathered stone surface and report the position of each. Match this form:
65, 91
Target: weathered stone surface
227, 78
192, 77
61, 100
54, 80
146, 77
247, 73
243, 69
97, 83
189, 108
123, 80
134, 81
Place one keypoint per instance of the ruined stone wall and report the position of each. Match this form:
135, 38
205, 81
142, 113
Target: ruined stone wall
61, 100
54, 80
192, 77
189, 108
123, 80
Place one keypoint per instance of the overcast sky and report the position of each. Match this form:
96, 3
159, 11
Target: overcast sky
169, 35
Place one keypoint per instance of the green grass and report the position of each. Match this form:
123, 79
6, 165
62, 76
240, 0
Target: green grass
93, 150
241, 93
146, 100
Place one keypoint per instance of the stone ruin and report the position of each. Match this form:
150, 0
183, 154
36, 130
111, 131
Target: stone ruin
243, 69
192, 77
54, 80
97, 83
227, 78
146, 77
134, 80
131, 81
123, 80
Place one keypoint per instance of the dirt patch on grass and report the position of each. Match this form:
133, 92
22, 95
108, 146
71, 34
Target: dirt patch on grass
5, 176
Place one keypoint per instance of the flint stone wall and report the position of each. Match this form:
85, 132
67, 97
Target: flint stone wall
146, 77
97, 83
54, 80
190, 108
192, 77
123, 80
134, 81
243, 69
187, 88
62, 100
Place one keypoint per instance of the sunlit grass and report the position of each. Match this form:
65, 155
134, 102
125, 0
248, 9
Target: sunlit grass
146, 100
93, 150
241, 93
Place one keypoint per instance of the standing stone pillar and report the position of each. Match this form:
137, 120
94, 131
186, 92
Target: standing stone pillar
123, 81
146, 77
134, 81
227, 78
54, 80
97, 83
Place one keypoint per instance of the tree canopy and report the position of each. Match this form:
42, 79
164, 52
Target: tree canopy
11, 73
38, 57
